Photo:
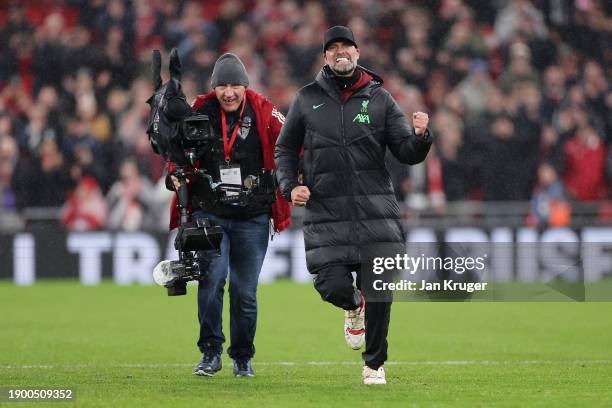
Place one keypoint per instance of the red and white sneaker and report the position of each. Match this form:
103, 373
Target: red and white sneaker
371, 377
354, 326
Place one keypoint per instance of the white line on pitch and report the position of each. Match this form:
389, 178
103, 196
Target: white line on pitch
314, 363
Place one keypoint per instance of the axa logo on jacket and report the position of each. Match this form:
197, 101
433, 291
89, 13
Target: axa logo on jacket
363, 117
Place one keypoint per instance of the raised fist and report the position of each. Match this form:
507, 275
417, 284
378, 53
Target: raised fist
420, 120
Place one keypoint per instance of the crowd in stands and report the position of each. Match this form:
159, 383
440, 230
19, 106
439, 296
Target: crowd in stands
518, 92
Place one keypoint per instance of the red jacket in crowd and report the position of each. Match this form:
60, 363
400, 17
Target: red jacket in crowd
585, 159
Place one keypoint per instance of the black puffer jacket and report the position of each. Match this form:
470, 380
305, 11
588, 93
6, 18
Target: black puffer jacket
352, 201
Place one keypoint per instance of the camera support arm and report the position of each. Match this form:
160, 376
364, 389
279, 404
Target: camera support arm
182, 194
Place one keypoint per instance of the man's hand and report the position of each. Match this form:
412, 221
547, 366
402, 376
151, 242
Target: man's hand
420, 120
300, 196
177, 183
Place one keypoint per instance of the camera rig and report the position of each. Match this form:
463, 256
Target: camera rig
178, 135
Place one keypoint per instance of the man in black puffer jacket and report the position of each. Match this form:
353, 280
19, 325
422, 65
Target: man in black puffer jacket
344, 121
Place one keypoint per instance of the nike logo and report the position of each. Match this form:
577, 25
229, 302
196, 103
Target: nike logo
318, 106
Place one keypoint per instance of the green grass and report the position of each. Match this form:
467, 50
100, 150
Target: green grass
135, 347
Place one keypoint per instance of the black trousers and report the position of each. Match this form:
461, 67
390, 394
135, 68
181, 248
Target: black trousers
335, 284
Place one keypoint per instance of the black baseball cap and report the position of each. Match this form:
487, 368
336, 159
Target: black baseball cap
337, 33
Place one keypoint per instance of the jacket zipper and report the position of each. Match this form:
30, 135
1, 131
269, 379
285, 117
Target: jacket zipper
350, 177
342, 123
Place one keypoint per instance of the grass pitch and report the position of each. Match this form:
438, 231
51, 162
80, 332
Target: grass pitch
133, 346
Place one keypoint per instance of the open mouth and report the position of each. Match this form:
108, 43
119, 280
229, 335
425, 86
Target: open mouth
342, 59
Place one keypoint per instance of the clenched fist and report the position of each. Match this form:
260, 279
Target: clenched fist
420, 120
300, 196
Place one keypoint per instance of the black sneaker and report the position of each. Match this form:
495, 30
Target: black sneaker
243, 368
209, 365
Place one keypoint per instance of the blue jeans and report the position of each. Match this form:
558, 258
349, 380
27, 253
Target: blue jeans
243, 249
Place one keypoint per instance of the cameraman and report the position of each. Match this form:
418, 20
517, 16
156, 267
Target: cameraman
245, 126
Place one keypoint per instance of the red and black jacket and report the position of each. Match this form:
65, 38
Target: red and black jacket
269, 121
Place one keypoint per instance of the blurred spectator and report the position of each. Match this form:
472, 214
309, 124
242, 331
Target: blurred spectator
180, 33
79, 54
476, 87
117, 103
506, 174
132, 200
44, 179
37, 130
84, 163
554, 90
229, 14
569, 61
548, 205
585, 160
48, 98
48, 65
412, 51
148, 26
15, 40
91, 12
118, 13
198, 65
15, 98
448, 129
85, 209
16, 23
115, 72
8, 160
163, 200
93, 122
591, 28
462, 45
596, 90
304, 51
551, 150
511, 18
7, 126
519, 68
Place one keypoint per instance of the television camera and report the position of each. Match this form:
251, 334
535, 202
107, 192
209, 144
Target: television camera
178, 136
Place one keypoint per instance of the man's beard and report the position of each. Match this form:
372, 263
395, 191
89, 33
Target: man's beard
344, 69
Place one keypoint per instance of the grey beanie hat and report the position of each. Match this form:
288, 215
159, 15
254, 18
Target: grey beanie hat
229, 70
